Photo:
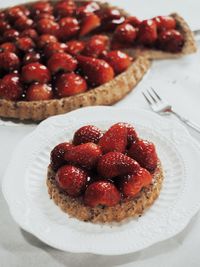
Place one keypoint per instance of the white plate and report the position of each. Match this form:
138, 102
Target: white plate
26, 193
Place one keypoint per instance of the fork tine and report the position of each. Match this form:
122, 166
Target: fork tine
152, 97
147, 99
156, 94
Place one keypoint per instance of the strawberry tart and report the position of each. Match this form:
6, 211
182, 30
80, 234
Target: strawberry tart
57, 56
104, 176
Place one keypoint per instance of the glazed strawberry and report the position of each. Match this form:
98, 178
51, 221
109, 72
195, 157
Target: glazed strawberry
84, 155
47, 26
131, 133
145, 153
165, 23
31, 33
131, 185
115, 139
41, 7
57, 155
98, 71
45, 39
35, 72
125, 33
118, 60
31, 57
134, 21
65, 8
4, 26
54, 47
8, 47
75, 47
61, 62
11, 35
9, 61
44, 16
10, 87
71, 179
38, 92
101, 193
23, 23
89, 7
107, 14
171, 41
110, 26
90, 22
145, 176
25, 44
85, 134
69, 28
96, 45
16, 12
115, 164
147, 34
70, 84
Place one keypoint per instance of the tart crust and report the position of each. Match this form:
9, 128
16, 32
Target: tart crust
74, 207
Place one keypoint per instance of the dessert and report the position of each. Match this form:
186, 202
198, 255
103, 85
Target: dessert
88, 53
104, 176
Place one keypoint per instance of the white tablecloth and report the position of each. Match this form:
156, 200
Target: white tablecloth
179, 82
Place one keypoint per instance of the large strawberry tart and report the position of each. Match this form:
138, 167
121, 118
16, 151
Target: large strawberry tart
104, 176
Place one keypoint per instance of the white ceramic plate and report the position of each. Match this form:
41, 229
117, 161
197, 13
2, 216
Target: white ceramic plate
26, 193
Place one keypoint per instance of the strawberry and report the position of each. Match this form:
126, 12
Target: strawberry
147, 34
25, 44
8, 47
115, 139
65, 8
89, 23
131, 133
134, 21
70, 84
84, 155
9, 61
108, 14
31, 57
69, 28
23, 23
85, 134
115, 164
57, 155
47, 26
44, 16
120, 61
88, 7
75, 47
31, 33
101, 193
170, 41
54, 47
98, 71
35, 72
131, 185
111, 25
125, 33
71, 179
38, 92
96, 45
10, 35
145, 176
4, 26
46, 39
61, 62
10, 87
41, 7
165, 23
145, 153
16, 12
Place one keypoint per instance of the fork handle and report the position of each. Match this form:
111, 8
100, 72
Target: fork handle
186, 121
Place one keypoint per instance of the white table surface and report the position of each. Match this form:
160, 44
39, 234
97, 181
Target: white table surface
179, 82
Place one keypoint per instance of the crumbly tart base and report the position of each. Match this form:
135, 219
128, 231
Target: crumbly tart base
106, 94
74, 207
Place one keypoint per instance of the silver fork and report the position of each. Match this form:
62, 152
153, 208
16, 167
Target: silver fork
162, 107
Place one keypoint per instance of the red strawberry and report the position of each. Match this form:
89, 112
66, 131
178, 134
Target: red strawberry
85, 134
70, 84
71, 179
98, 71
46, 39
89, 23
54, 47
16, 12
115, 139
25, 44
23, 23
165, 23
147, 34
89, 7
41, 7
8, 47
84, 155
131, 185
115, 164
57, 155
10, 87
38, 92
31, 57
96, 45
65, 8
171, 41
145, 176
108, 14
61, 62
11, 35
4, 26
101, 193
9, 61
44, 16
47, 26
131, 133
35, 72
120, 61
145, 153
125, 33
75, 47
31, 33
111, 25
134, 21
69, 28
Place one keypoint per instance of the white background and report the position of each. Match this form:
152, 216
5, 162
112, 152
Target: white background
176, 80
